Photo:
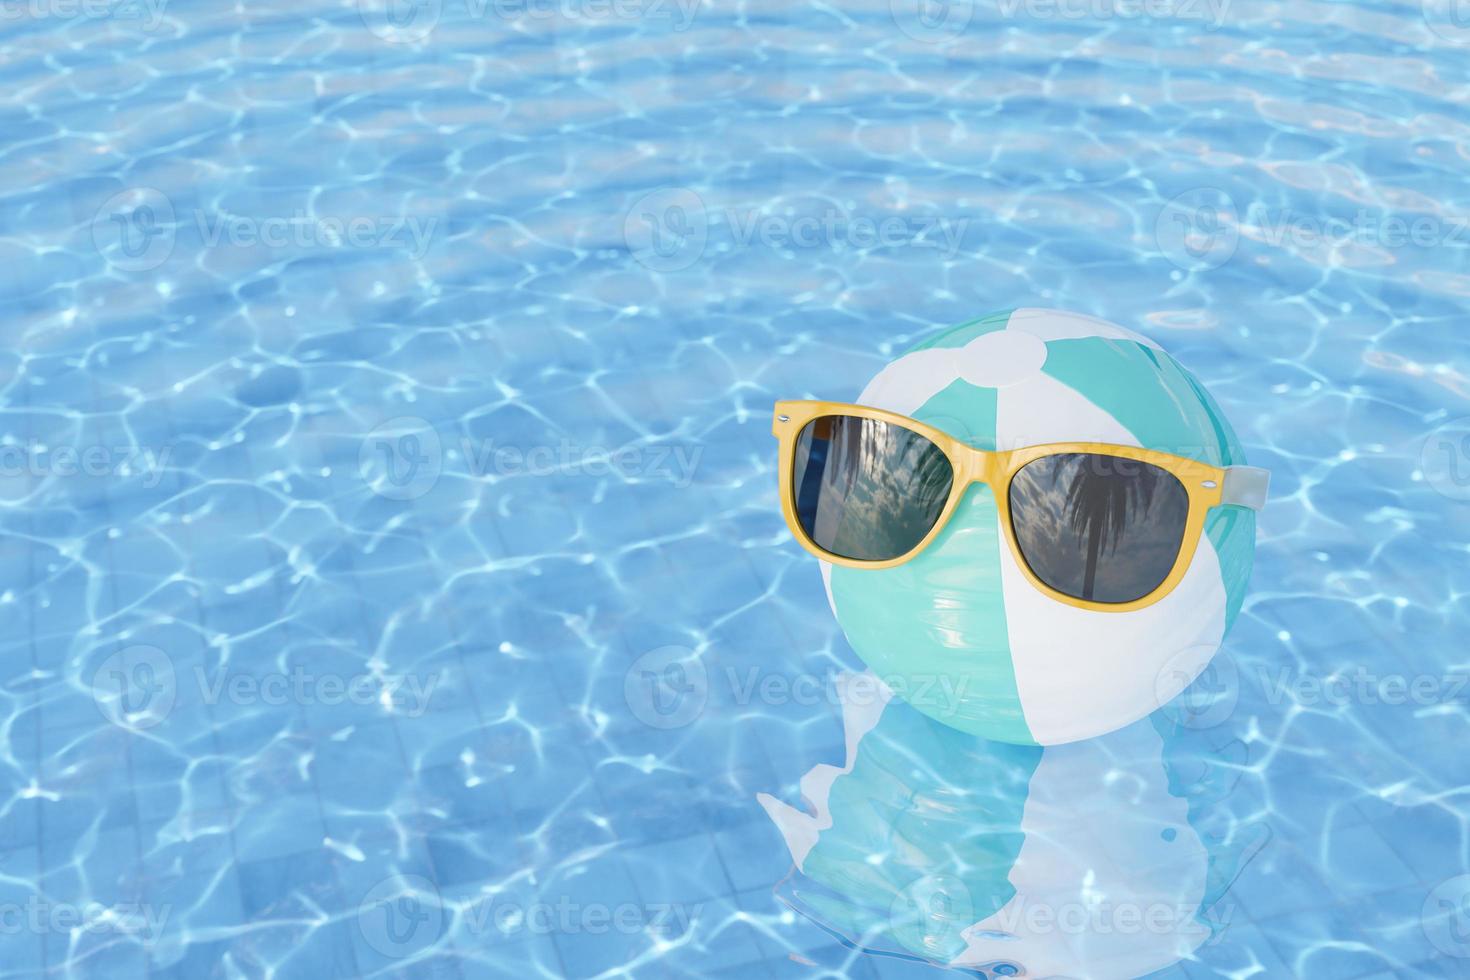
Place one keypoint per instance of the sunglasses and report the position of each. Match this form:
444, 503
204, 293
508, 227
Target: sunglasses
1102, 527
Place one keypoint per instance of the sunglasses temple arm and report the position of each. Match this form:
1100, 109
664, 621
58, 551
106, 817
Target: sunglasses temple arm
1245, 486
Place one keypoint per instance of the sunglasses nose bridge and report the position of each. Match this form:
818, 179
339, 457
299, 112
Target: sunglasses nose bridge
982, 466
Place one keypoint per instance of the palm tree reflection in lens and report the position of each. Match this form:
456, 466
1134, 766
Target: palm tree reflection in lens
1126, 520
866, 489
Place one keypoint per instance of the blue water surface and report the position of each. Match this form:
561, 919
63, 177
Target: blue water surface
394, 582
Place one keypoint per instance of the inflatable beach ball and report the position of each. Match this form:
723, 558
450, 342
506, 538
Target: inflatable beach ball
966, 634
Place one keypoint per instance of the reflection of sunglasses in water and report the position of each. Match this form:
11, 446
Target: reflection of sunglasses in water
1102, 527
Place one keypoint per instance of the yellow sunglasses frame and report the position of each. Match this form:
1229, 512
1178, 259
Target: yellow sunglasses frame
1205, 485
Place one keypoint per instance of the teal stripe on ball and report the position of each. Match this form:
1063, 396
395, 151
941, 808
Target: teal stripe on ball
964, 411
1145, 392
947, 605
1126, 379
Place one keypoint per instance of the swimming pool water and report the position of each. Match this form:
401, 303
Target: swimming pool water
394, 582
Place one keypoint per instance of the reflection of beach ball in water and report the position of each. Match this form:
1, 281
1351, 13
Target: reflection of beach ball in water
970, 640
1105, 858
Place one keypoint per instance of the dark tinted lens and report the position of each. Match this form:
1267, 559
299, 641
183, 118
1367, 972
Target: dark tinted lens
866, 489
1097, 527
